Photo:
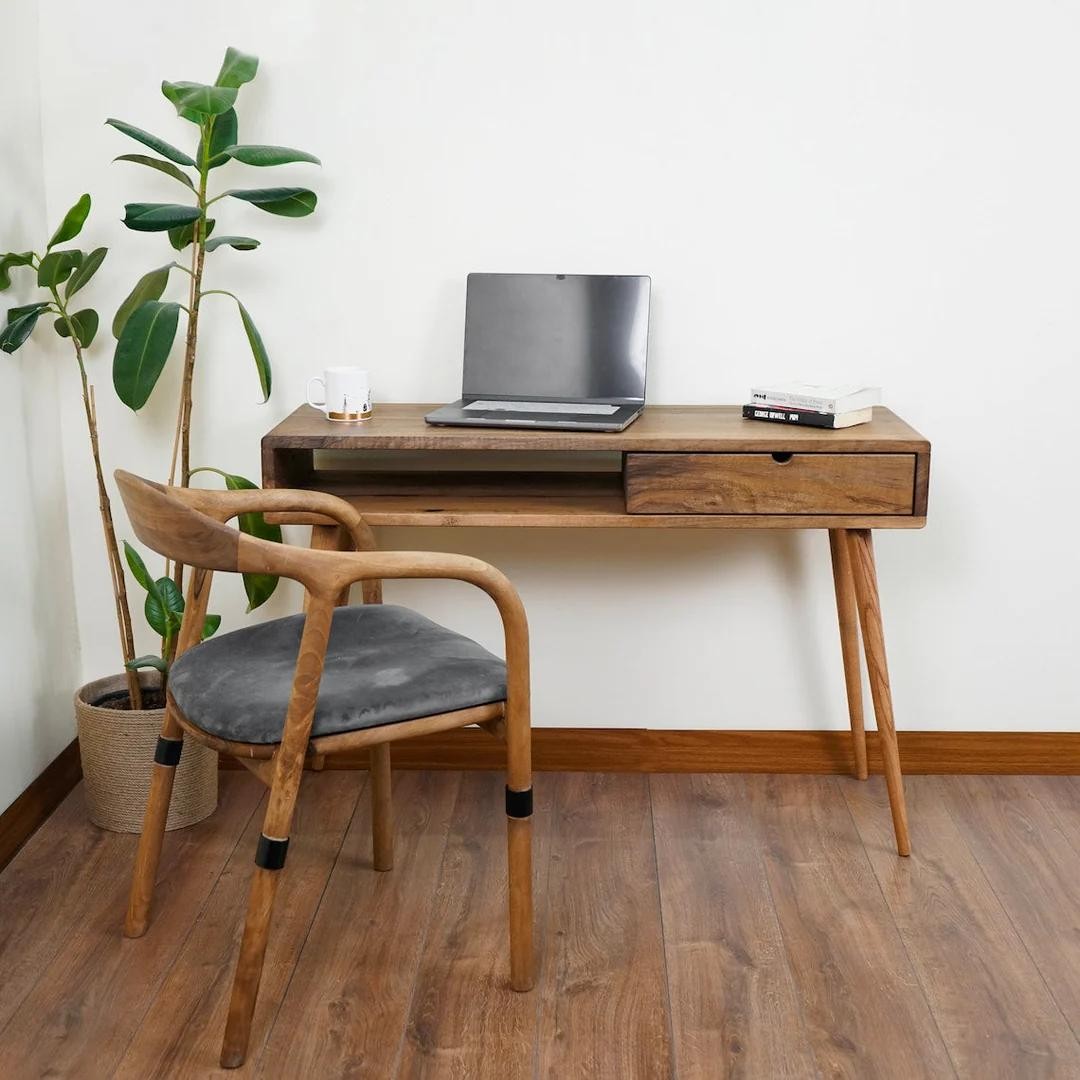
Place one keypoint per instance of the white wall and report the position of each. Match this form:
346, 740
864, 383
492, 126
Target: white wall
882, 192
39, 662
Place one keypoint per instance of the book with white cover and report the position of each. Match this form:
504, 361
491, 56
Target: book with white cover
826, 398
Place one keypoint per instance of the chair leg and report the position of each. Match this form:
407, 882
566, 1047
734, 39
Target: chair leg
861, 547
519, 854
847, 614
166, 757
382, 809
269, 861
519, 808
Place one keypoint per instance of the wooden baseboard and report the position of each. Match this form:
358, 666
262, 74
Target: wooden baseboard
21, 819
650, 750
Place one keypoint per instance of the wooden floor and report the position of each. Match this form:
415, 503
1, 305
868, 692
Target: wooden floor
691, 926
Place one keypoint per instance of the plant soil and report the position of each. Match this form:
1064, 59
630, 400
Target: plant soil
121, 700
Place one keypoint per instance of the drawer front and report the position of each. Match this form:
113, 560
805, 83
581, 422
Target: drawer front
769, 483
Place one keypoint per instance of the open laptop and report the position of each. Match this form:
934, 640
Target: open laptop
552, 351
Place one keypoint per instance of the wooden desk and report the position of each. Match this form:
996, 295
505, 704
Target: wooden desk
675, 467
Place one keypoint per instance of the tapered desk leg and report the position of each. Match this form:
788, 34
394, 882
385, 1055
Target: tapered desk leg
861, 549
847, 613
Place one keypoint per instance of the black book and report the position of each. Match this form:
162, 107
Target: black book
782, 414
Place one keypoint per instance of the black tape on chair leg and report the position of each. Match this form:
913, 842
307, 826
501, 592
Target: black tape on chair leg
271, 853
519, 803
167, 751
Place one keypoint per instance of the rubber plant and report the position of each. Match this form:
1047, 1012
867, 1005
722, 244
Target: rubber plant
63, 272
145, 325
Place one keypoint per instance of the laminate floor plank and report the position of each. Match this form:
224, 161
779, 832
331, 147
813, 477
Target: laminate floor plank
46, 891
91, 997
604, 1008
181, 1033
995, 1013
734, 1008
465, 1019
864, 1012
700, 926
346, 1007
1033, 869
1061, 797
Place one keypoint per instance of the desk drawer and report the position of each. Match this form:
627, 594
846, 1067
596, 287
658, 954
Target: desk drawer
769, 483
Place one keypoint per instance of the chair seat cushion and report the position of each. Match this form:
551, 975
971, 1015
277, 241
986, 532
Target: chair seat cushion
384, 664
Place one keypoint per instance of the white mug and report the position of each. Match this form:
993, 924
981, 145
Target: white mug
346, 394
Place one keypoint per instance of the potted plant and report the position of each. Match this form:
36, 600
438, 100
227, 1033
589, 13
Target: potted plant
119, 717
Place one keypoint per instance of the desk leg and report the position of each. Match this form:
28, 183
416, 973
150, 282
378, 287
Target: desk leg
861, 549
848, 616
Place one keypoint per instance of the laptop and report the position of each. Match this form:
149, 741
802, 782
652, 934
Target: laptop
552, 351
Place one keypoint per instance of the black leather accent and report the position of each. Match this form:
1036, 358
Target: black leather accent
167, 751
271, 853
519, 803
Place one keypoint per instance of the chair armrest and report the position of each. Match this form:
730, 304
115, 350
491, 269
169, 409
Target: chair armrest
225, 505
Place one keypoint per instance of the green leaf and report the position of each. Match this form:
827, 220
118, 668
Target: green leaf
268, 155
241, 243
73, 222
148, 661
166, 167
259, 587
164, 607
183, 235
149, 287
222, 135
258, 350
158, 217
138, 567
237, 68
285, 201
56, 267
196, 100
160, 145
210, 626
85, 271
13, 258
20, 325
142, 350
85, 323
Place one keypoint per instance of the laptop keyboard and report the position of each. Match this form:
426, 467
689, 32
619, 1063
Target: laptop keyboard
569, 407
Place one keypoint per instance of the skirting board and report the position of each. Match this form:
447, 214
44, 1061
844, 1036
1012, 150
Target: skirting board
642, 750
22, 818
651, 750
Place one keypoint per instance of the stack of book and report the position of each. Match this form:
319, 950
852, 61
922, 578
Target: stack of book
813, 406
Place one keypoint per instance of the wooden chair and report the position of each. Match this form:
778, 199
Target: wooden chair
188, 526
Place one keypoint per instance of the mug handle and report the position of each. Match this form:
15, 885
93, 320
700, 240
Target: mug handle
316, 404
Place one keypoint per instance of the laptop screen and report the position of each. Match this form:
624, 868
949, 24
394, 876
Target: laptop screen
556, 336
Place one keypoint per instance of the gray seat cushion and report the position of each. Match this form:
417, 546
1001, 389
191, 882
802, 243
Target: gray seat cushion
384, 664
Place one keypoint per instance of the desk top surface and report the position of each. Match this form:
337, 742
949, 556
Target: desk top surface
688, 428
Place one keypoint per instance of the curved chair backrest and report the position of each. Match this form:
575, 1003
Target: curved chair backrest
167, 525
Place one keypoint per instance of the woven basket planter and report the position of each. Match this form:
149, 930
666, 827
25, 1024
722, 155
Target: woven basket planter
117, 750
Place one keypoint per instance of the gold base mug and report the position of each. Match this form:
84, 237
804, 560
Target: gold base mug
346, 393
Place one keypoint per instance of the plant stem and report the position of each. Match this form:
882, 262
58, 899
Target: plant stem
112, 549
198, 257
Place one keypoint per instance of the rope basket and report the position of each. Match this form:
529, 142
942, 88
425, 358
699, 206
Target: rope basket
117, 750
